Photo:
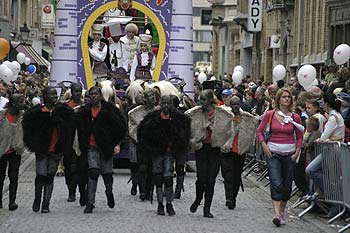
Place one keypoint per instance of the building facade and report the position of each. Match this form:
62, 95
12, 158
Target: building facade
339, 24
293, 33
5, 19
202, 35
226, 35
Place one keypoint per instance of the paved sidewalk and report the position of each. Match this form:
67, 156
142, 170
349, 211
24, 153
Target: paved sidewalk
252, 214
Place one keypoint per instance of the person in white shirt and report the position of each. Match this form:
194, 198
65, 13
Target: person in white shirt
334, 130
98, 52
117, 49
132, 42
3, 100
144, 61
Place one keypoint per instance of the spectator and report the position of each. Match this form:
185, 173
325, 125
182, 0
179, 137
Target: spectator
281, 150
334, 130
3, 99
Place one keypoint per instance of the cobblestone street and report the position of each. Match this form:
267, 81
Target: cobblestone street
252, 214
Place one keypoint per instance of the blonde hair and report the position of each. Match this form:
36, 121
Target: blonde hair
278, 97
131, 27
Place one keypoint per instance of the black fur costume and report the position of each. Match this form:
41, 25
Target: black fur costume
38, 127
109, 128
155, 134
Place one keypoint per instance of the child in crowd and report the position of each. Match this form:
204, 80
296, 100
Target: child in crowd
312, 133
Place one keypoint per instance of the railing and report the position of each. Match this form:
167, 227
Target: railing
336, 179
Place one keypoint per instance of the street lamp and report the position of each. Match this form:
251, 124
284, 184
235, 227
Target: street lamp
24, 32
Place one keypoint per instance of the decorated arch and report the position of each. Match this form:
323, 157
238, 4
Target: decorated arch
172, 21
74, 19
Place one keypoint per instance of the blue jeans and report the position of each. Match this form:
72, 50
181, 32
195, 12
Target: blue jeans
281, 171
314, 171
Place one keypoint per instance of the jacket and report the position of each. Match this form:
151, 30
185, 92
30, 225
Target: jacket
109, 127
219, 125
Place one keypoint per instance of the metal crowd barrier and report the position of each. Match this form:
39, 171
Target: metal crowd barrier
332, 174
336, 178
345, 163
256, 160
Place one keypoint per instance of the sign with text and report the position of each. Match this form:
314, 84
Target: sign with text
47, 16
254, 15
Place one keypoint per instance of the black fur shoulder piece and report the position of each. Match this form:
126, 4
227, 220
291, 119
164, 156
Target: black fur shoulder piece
156, 135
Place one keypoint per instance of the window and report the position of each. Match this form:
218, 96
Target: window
3, 9
200, 56
205, 17
202, 36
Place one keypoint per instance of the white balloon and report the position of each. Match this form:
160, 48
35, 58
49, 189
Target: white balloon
2, 68
237, 77
15, 67
202, 77
278, 73
306, 75
6, 63
21, 58
341, 54
7, 75
314, 83
27, 61
238, 68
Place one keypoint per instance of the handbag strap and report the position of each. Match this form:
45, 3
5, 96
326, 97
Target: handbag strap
272, 112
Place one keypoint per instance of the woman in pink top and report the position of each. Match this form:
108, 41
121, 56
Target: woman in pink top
281, 150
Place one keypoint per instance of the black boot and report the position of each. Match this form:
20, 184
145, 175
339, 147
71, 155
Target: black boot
142, 186
231, 204
199, 197
110, 200
170, 209
48, 188
13, 192
88, 209
38, 191
83, 197
71, 194
179, 186
229, 194
134, 182
207, 204
160, 193
160, 210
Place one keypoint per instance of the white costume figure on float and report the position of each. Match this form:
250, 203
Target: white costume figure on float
132, 42
117, 48
144, 61
98, 52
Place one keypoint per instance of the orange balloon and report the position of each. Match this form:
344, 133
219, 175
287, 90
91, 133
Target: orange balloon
4, 48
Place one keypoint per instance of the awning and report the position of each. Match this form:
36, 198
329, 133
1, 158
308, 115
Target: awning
34, 56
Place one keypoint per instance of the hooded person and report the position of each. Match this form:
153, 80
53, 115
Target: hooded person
11, 146
209, 124
101, 127
98, 51
144, 61
132, 42
234, 150
46, 131
138, 171
162, 136
117, 48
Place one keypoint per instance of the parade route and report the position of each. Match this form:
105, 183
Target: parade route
252, 214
